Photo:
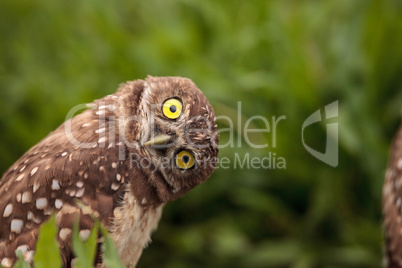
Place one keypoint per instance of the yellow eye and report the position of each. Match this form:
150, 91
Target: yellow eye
185, 160
171, 108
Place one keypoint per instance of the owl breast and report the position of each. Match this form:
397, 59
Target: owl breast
132, 227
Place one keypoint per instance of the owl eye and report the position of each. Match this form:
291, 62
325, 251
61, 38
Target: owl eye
185, 160
171, 108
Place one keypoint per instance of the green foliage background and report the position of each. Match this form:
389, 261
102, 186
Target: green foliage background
276, 57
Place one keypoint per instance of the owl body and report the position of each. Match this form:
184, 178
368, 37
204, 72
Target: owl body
392, 205
122, 159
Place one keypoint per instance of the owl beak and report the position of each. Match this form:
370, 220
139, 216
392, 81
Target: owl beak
161, 139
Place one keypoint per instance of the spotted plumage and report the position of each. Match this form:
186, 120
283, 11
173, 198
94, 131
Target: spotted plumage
123, 159
392, 205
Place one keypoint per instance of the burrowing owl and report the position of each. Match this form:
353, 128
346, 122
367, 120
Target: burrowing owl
123, 159
392, 204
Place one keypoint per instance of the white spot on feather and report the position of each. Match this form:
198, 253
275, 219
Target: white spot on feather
79, 184
115, 186
64, 154
28, 256
23, 248
16, 225
58, 203
101, 130
84, 234
20, 177
8, 210
118, 177
80, 192
30, 215
22, 169
72, 193
114, 165
41, 203
55, 185
6, 262
26, 197
101, 112
64, 233
35, 187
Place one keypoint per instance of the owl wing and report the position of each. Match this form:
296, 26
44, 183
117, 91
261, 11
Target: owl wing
392, 204
78, 161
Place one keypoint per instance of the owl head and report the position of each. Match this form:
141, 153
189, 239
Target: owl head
171, 128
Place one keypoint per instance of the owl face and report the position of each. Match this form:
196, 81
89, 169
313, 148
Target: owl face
178, 139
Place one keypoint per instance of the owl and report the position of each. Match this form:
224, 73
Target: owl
120, 160
392, 205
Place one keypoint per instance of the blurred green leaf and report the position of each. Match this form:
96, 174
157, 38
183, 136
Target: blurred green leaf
110, 255
21, 263
85, 251
47, 249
